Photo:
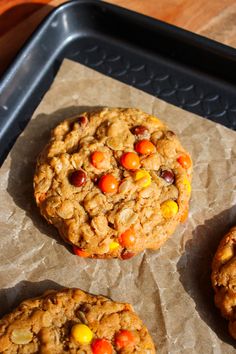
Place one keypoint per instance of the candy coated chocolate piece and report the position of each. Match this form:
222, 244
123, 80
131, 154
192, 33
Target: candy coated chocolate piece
127, 255
127, 238
78, 178
101, 346
139, 130
81, 333
96, 158
130, 161
124, 338
83, 120
108, 183
143, 177
114, 245
168, 176
184, 161
169, 208
144, 147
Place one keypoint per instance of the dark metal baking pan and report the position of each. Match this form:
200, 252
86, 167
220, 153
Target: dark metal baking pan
180, 67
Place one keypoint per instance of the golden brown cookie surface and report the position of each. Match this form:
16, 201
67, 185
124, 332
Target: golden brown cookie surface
114, 182
72, 321
224, 278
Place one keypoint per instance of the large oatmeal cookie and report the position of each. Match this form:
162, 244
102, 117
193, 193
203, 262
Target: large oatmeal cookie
71, 321
114, 182
224, 278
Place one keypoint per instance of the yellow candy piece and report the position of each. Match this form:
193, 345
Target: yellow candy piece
114, 245
82, 333
169, 209
155, 120
143, 177
187, 184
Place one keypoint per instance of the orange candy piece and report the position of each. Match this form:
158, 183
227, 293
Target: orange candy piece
108, 183
80, 252
130, 161
127, 238
184, 161
101, 346
96, 158
124, 338
144, 147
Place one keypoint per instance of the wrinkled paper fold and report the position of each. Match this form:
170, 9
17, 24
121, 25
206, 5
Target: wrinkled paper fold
170, 288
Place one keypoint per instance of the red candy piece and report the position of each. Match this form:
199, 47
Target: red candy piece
130, 161
108, 183
80, 252
101, 346
78, 178
124, 338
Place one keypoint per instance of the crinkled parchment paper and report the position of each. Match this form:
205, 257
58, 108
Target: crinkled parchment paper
170, 289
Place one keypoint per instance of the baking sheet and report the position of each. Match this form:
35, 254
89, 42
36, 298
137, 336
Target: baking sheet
170, 289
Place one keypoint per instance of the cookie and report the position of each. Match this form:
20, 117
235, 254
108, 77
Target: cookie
114, 182
72, 321
224, 278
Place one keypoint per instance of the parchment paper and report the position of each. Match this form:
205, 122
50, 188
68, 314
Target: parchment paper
170, 289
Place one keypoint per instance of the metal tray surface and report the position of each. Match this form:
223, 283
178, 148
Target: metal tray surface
177, 66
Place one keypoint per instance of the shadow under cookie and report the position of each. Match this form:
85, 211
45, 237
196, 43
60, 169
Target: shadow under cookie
23, 161
12, 297
194, 268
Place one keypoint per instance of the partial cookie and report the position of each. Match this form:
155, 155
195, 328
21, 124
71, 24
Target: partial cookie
114, 182
224, 278
72, 321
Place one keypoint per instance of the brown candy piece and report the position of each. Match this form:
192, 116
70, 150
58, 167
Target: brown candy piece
168, 176
78, 178
83, 120
139, 130
127, 255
